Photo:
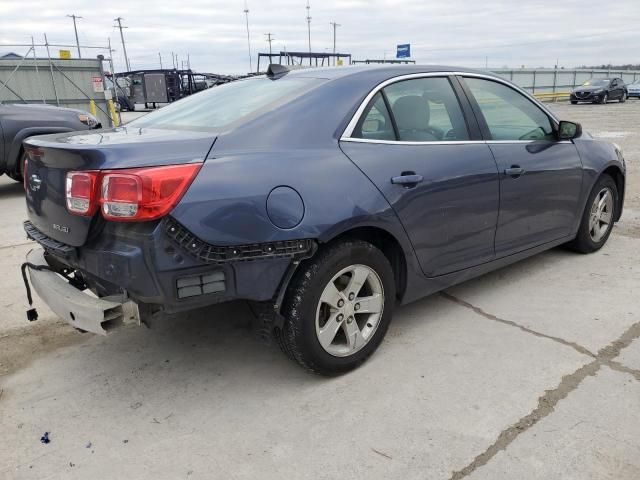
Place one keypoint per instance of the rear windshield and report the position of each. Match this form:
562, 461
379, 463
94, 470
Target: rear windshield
219, 107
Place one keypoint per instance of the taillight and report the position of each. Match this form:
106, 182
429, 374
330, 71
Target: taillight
142, 194
121, 195
34, 154
81, 192
129, 195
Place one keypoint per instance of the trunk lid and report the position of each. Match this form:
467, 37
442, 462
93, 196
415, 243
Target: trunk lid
55, 155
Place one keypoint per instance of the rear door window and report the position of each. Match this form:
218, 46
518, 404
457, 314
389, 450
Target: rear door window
426, 110
375, 123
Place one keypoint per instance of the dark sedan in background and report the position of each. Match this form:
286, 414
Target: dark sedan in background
600, 90
327, 195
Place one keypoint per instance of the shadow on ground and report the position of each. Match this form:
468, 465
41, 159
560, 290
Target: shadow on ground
11, 190
222, 339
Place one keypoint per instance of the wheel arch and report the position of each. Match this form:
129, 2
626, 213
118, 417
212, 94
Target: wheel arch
13, 156
615, 172
388, 244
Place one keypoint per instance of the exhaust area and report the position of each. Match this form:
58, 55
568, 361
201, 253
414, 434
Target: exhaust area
81, 310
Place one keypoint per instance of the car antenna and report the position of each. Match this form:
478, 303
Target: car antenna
277, 70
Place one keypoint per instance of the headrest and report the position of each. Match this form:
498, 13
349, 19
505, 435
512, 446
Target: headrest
411, 112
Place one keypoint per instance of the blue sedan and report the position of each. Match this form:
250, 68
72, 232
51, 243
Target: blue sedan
325, 196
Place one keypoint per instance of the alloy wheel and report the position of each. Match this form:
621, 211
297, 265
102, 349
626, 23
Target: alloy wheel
601, 214
349, 310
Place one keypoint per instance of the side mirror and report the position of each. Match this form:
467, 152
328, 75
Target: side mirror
569, 130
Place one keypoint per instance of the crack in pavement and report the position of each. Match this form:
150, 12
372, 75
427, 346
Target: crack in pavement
4, 247
548, 401
621, 368
479, 311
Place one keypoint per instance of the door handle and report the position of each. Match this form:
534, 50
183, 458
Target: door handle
514, 171
407, 179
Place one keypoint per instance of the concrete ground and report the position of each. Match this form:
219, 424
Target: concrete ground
530, 372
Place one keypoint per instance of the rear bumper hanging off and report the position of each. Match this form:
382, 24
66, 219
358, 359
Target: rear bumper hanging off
79, 309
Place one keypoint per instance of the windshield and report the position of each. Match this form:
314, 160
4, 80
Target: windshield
596, 82
219, 107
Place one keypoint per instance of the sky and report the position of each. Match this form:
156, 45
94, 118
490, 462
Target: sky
495, 33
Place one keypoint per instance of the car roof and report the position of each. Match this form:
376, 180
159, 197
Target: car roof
331, 73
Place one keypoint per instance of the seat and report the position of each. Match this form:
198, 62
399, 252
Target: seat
412, 118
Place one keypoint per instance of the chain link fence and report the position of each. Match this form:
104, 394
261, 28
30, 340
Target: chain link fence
32, 74
560, 80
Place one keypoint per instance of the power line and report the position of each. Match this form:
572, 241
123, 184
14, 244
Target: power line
124, 48
246, 14
269, 39
335, 25
308, 7
75, 29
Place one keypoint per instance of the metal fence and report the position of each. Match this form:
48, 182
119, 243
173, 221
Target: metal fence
551, 80
71, 83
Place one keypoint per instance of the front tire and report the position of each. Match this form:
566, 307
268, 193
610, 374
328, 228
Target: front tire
623, 98
598, 216
574, 102
605, 98
338, 308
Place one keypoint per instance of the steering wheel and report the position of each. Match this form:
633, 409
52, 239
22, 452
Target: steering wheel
436, 132
535, 134
450, 135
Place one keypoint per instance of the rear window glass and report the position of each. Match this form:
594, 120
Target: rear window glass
221, 106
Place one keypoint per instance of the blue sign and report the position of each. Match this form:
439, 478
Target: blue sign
404, 51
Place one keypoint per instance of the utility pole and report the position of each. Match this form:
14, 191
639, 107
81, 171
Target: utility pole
309, 28
160, 58
75, 29
335, 25
124, 48
246, 14
188, 62
269, 39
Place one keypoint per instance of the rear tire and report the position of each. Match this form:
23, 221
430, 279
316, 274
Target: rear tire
338, 308
598, 217
18, 173
623, 98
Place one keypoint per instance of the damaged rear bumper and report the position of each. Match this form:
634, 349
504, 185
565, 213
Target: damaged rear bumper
165, 265
79, 309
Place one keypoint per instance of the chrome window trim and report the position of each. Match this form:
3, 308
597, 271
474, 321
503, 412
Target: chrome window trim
498, 142
407, 142
444, 142
348, 131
